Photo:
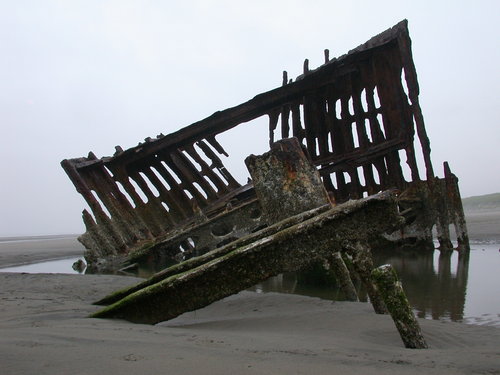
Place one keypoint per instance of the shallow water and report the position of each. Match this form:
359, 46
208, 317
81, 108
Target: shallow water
438, 287
50, 266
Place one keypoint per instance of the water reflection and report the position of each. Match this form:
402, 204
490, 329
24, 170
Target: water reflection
438, 294
64, 265
437, 284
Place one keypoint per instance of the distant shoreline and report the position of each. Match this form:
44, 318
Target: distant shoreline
483, 225
44, 237
17, 251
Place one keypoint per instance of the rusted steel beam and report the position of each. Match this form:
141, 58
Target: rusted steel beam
395, 299
455, 209
215, 253
287, 250
363, 264
343, 276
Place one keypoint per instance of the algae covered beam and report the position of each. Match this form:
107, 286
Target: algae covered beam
214, 254
287, 250
395, 299
343, 276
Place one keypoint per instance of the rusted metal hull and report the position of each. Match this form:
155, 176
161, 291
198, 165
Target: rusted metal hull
359, 119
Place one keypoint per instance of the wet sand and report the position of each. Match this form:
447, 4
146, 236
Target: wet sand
483, 225
44, 329
16, 251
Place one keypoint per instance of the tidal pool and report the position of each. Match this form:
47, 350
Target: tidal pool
50, 266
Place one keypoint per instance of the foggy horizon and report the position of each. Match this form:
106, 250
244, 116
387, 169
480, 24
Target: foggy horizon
87, 76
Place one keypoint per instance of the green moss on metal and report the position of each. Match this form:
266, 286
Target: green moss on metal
202, 259
391, 289
288, 249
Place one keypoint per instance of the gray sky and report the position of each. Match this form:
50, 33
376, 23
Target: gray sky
88, 75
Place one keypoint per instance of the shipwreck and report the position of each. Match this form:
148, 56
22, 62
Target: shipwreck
341, 138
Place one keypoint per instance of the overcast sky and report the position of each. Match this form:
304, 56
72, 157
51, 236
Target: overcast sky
88, 75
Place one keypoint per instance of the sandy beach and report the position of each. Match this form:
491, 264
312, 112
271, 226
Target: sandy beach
44, 329
15, 251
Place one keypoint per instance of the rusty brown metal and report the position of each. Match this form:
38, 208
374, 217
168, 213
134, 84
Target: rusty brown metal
285, 181
356, 115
